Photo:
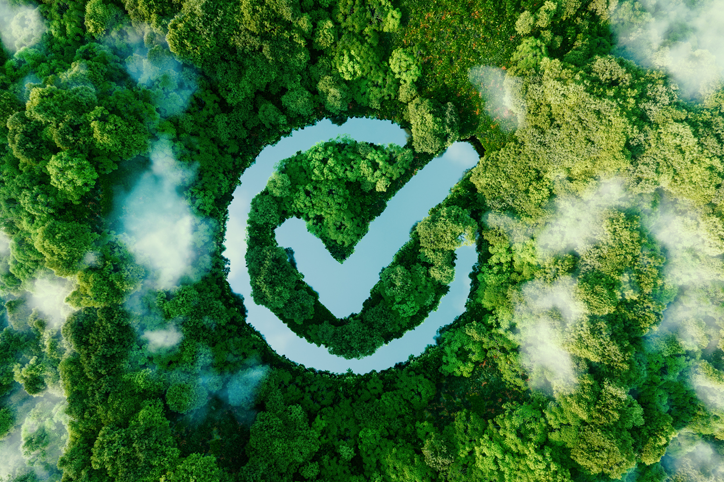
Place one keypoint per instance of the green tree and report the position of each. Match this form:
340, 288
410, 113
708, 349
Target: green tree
64, 244
298, 101
441, 234
195, 468
7, 421
102, 337
265, 211
404, 66
325, 34
300, 306
334, 93
183, 397
100, 17
27, 139
281, 442
72, 174
144, 451
9, 105
31, 376
438, 453
513, 447
124, 138
273, 278
600, 451
113, 276
407, 291
434, 127
270, 115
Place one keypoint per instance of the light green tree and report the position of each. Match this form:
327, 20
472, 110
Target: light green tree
195, 468
142, 452
184, 397
72, 174
64, 244
434, 127
101, 16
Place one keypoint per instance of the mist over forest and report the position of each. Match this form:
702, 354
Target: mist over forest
591, 345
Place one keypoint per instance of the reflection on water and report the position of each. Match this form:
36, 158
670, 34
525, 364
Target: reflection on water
343, 287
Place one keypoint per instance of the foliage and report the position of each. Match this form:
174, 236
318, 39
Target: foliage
591, 344
338, 188
142, 451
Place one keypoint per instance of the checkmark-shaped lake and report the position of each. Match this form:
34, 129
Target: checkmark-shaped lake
343, 287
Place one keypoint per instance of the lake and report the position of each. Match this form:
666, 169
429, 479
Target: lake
344, 287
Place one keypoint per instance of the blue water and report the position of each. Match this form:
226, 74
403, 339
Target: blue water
344, 287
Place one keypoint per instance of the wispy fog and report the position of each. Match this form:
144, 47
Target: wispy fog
39, 437
501, 92
157, 69
241, 387
709, 386
238, 389
577, 223
159, 227
4, 245
47, 295
543, 316
164, 338
686, 39
694, 320
692, 242
690, 459
693, 245
20, 26
518, 232
154, 67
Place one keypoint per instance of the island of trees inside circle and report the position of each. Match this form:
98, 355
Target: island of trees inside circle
591, 347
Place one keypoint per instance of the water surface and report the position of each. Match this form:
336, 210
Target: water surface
344, 287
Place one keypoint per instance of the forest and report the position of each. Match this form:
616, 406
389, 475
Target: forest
591, 347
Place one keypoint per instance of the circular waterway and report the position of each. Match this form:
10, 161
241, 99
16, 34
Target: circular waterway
344, 287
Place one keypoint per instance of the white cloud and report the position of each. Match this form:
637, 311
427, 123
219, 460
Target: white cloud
171, 83
680, 227
40, 421
518, 231
241, 387
546, 359
573, 223
693, 246
48, 295
238, 389
173, 86
501, 92
20, 25
695, 267
4, 245
693, 459
708, 383
160, 339
159, 227
687, 42
90, 259
694, 319
543, 316
559, 296
4, 253
577, 223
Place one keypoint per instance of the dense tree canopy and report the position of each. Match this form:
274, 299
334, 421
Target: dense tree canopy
324, 186
591, 347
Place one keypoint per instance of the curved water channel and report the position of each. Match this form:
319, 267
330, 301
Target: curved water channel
344, 287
